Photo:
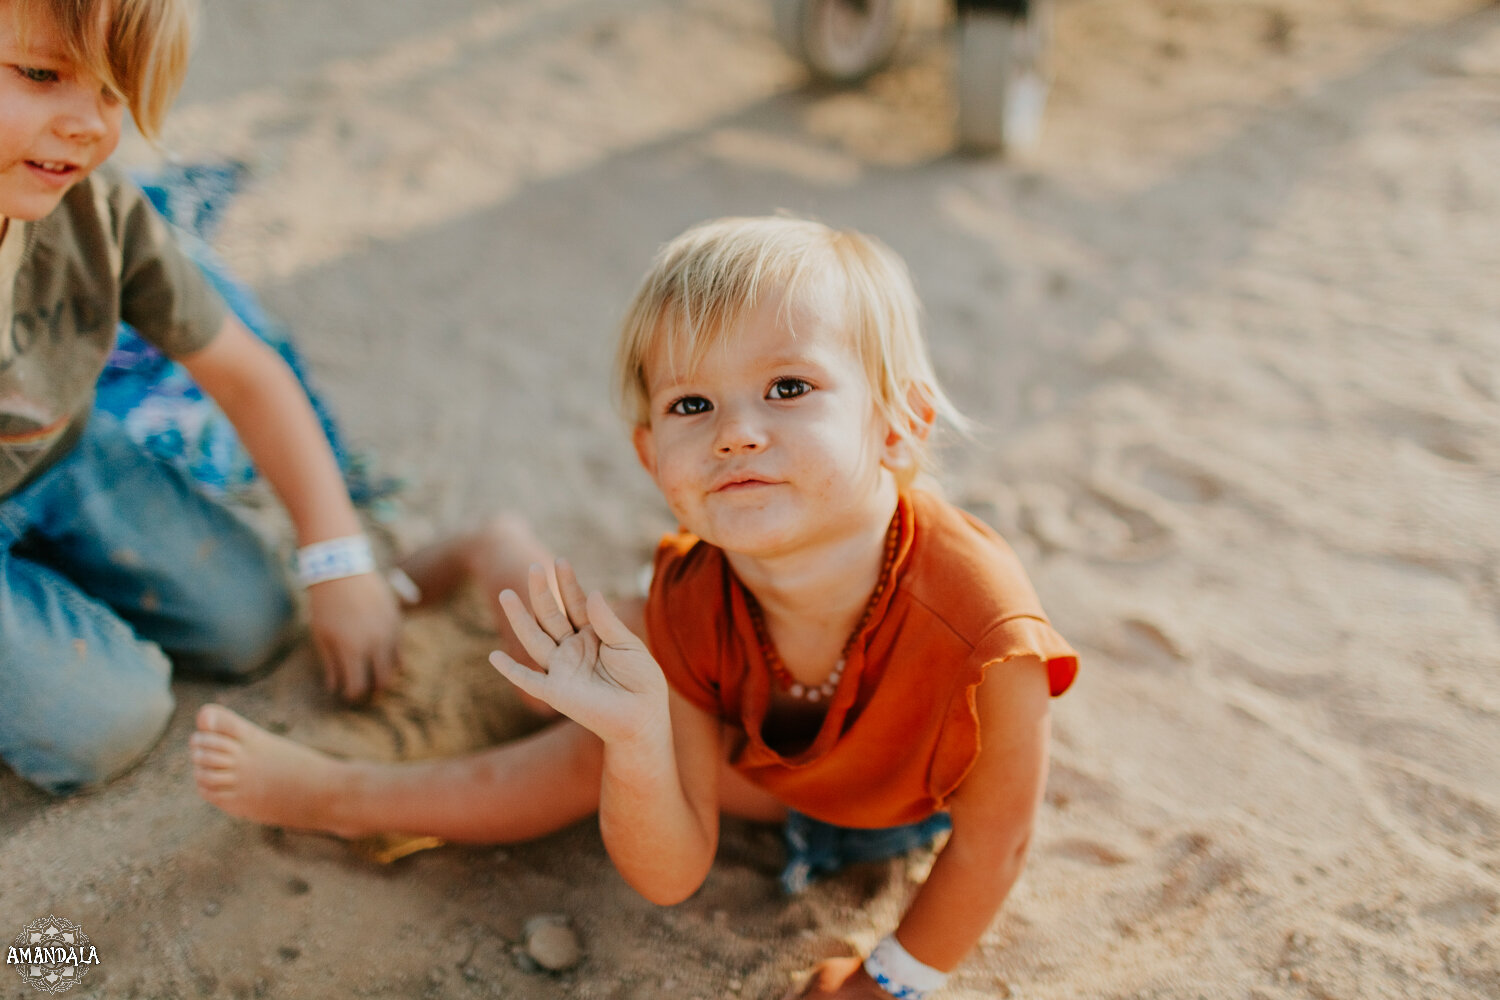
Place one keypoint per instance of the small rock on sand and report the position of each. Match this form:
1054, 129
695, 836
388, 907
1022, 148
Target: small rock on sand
552, 943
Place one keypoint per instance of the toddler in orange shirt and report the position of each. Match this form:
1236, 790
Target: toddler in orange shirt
826, 645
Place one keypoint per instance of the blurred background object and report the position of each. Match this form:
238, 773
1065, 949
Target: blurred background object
1001, 69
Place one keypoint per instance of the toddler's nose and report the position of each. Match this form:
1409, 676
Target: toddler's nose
85, 116
737, 432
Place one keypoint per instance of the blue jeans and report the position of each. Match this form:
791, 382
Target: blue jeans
110, 562
815, 849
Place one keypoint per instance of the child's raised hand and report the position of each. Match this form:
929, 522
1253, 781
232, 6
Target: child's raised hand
594, 669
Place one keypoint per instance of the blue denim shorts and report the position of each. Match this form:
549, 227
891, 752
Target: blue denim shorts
113, 566
815, 849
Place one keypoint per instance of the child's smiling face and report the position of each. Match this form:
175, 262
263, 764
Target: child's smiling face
57, 121
773, 441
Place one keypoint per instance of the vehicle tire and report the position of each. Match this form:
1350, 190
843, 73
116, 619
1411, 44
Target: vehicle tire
841, 41
1002, 78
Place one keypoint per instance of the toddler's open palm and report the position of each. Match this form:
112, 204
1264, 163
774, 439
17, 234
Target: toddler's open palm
595, 670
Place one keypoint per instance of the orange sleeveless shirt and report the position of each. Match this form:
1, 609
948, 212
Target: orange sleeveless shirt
902, 730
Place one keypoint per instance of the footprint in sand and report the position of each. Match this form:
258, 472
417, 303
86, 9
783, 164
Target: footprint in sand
1446, 437
1067, 786
1178, 480
1294, 680
1140, 642
1484, 383
1099, 520
1185, 873
1443, 815
1472, 906
1387, 918
1088, 851
1134, 506
1196, 868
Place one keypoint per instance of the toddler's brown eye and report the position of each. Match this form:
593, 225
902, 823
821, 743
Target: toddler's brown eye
37, 75
687, 406
788, 388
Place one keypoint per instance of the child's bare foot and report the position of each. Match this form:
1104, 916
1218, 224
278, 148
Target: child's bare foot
256, 775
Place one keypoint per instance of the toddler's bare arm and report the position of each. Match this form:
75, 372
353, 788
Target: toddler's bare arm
993, 812
658, 810
662, 828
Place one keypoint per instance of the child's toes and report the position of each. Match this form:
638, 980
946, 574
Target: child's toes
215, 772
212, 758
217, 742
218, 719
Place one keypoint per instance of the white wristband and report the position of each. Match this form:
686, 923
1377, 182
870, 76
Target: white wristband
334, 559
899, 974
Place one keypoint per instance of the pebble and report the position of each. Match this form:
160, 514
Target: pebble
210, 909
552, 943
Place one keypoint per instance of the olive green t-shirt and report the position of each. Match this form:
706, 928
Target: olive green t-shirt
66, 281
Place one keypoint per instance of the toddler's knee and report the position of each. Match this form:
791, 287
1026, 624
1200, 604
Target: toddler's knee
503, 532
98, 743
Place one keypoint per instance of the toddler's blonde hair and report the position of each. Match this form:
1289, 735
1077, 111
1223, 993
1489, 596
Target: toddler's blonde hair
138, 48
705, 282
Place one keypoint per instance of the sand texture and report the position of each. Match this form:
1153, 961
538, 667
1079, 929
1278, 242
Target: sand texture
1232, 337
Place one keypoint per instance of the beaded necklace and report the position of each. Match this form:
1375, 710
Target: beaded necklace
783, 676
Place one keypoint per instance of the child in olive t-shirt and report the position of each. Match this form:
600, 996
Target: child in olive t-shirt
112, 564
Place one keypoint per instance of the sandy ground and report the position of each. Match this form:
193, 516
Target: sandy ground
1233, 337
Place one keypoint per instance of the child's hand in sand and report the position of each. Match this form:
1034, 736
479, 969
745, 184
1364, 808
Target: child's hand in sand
594, 669
356, 624
839, 979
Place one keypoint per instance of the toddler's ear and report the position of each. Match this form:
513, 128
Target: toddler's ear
645, 449
898, 445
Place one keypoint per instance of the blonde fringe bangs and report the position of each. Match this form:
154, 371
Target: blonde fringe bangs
138, 48
703, 284
700, 286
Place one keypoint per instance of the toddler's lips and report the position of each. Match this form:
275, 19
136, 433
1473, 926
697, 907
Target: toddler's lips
54, 171
741, 483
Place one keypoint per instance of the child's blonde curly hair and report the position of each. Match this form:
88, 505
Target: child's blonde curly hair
705, 282
138, 48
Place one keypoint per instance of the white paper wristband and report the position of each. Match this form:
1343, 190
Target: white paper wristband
899, 974
334, 559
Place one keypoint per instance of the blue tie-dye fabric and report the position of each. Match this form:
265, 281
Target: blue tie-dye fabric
159, 404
